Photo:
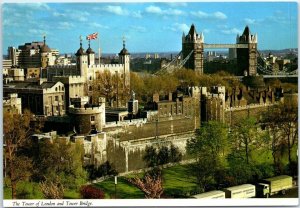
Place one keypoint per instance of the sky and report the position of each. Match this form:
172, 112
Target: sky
147, 26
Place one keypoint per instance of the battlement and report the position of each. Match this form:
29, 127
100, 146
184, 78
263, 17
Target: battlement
106, 66
246, 107
87, 110
69, 79
133, 122
57, 66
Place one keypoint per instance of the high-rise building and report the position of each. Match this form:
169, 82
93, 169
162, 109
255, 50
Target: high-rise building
32, 55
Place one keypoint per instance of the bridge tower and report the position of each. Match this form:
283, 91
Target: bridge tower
193, 42
247, 57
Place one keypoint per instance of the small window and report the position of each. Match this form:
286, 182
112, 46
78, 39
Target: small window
56, 98
62, 97
92, 118
90, 88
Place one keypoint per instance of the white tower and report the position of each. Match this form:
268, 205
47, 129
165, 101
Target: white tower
91, 55
82, 60
124, 58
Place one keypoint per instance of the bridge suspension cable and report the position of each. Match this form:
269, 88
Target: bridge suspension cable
172, 64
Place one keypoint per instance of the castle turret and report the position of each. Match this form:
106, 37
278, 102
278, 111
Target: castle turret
247, 57
124, 58
44, 52
82, 60
192, 44
91, 55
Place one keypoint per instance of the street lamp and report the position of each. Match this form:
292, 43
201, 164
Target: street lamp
116, 182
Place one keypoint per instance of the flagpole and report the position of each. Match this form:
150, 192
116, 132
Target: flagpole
99, 48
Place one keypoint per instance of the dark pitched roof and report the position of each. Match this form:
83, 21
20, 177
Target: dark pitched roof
45, 49
124, 51
80, 51
89, 51
30, 84
46, 85
192, 31
246, 31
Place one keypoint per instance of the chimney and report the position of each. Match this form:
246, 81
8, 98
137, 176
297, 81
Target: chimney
170, 96
155, 97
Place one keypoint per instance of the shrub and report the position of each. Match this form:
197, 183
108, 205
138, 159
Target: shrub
161, 156
91, 192
103, 170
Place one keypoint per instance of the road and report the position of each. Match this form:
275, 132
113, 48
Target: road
292, 193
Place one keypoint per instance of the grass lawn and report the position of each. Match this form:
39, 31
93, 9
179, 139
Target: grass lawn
175, 183
31, 190
124, 189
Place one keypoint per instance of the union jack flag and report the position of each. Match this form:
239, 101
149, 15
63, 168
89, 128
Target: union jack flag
92, 36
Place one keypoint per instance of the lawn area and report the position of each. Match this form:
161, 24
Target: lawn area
31, 190
124, 189
176, 183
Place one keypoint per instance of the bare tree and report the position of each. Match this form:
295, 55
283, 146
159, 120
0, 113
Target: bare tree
151, 185
52, 189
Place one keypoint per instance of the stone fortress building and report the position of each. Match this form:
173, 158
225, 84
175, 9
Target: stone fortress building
193, 46
60, 94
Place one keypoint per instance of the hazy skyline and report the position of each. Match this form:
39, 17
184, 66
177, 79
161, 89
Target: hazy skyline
148, 27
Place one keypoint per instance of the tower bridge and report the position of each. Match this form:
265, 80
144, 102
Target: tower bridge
213, 46
248, 58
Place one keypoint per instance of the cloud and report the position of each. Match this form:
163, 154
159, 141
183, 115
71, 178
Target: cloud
57, 14
137, 14
177, 4
97, 25
38, 32
69, 15
65, 25
232, 31
249, 21
178, 27
219, 15
116, 10
138, 28
157, 10
154, 10
34, 6
212, 16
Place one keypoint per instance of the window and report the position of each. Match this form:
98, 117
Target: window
62, 97
56, 98
92, 118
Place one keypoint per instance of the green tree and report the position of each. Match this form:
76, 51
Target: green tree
150, 156
17, 131
281, 122
60, 162
111, 86
163, 155
245, 137
175, 154
208, 148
